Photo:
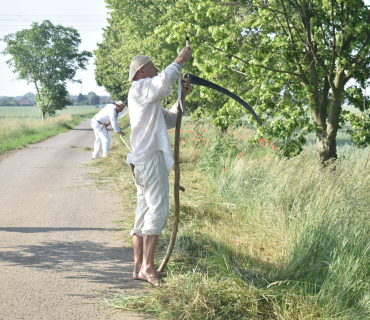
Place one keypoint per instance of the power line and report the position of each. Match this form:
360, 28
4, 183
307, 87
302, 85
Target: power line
14, 20
85, 23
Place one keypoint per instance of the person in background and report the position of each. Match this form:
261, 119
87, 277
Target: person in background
105, 117
151, 158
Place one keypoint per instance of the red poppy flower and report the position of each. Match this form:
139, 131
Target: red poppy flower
273, 146
265, 144
224, 169
262, 140
190, 131
172, 130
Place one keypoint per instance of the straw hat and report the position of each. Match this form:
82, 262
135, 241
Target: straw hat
121, 104
136, 63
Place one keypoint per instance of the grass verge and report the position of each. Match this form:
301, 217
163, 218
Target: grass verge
260, 237
17, 133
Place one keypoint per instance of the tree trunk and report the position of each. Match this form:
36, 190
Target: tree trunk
326, 135
43, 114
224, 129
325, 150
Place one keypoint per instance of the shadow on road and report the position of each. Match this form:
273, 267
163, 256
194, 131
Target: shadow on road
95, 262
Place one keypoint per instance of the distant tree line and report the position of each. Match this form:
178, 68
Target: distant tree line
89, 99
13, 101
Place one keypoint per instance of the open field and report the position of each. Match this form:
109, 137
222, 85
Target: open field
260, 237
33, 112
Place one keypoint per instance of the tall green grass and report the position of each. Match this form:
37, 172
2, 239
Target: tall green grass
260, 237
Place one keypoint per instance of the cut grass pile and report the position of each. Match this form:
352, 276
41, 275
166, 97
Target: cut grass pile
260, 237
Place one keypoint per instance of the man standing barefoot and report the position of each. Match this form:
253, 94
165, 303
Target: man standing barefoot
151, 158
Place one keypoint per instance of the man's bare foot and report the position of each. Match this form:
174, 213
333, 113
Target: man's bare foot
137, 275
154, 279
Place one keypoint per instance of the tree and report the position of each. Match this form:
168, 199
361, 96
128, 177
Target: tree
46, 55
81, 98
8, 101
94, 100
29, 95
52, 98
294, 61
127, 36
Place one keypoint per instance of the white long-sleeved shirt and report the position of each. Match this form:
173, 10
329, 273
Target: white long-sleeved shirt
149, 120
108, 115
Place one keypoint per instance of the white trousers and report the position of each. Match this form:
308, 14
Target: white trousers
152, 184
101, 139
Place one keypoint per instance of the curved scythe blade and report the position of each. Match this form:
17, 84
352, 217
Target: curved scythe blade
202, 82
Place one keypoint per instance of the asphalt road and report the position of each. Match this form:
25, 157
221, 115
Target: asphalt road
60, 252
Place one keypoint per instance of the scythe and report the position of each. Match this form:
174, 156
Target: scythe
202, 82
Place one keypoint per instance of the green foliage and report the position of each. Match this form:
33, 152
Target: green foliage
278, 56
30, 95
52, 98
47, 56
360, 131
81, 98
360, 124
95, 99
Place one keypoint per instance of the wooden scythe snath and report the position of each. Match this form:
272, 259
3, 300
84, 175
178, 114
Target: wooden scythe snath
177, 186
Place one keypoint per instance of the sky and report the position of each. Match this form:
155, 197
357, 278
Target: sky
87, 16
